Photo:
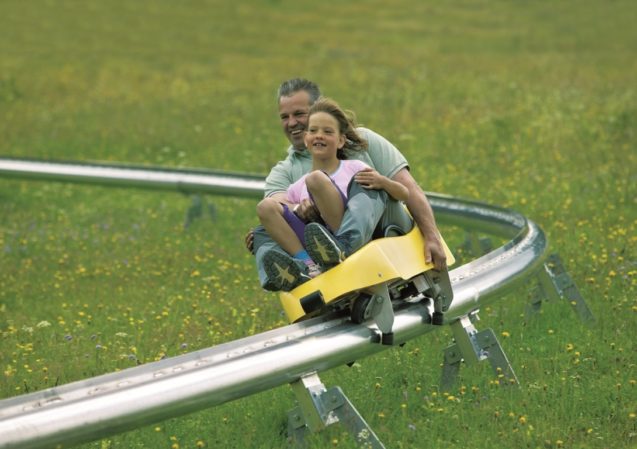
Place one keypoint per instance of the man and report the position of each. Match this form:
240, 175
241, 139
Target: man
366, 209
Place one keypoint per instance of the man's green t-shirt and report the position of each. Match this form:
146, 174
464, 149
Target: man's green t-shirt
381, 155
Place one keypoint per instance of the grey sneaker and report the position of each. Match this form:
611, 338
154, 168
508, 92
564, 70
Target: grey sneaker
323, 247
284, 273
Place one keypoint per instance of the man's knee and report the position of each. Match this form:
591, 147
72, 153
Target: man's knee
354, 189
367, 201
260, 238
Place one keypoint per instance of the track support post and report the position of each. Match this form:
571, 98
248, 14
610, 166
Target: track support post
474, 245
554, 283
473, 346
198, 207
319, 407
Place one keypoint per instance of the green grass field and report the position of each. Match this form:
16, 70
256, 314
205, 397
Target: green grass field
527, 105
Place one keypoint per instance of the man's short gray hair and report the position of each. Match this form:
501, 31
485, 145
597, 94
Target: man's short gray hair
294, 85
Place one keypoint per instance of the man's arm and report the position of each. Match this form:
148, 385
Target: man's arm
420, 209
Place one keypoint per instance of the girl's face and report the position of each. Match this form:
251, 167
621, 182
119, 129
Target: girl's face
323, 136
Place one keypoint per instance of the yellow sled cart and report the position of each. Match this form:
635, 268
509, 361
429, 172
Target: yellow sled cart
386, 269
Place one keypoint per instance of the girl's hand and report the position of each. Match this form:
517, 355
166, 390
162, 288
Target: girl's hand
307, 211
370, 179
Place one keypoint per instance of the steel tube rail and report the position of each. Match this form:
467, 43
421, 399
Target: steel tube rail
468, 214
101, 406
121, 175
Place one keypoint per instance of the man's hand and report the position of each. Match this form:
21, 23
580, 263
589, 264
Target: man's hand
435, 253
307, 211
249, 241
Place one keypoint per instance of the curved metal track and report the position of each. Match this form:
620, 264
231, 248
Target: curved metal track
97, 407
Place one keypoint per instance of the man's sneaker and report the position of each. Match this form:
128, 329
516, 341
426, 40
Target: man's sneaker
323, 247
284, 272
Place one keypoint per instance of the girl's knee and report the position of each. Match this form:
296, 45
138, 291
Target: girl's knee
267, 207
316, 180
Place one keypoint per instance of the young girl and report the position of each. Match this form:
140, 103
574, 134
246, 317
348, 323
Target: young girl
330, 131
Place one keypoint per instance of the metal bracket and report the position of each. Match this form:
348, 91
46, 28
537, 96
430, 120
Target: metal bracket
555, 283
319, 408
441, 292
474, 245
198, 206
473, 346
382, 312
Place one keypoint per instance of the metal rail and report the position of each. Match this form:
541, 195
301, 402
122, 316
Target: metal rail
127, 175
95, 408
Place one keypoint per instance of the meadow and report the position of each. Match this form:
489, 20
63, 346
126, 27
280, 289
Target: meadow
527, 105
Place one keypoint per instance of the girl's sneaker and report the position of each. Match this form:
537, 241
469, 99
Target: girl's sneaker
323, 247
284, 272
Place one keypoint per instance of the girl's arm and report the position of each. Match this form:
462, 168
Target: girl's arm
396, 190
371, 179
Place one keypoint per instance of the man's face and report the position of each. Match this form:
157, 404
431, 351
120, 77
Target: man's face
293, 112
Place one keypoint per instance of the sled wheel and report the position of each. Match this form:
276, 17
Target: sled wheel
360, 309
